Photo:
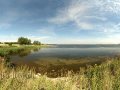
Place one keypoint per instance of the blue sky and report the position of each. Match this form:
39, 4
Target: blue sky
61, 21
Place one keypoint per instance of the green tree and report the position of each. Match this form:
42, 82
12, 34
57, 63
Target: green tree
22, 40
37, 43
10, 44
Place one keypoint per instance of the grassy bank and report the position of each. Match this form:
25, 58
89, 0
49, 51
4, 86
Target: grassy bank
9, 50
98, 77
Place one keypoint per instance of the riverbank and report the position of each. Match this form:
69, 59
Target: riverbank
105, 76
15, 49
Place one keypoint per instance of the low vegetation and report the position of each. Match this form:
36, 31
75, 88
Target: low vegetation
98, 77
4, 51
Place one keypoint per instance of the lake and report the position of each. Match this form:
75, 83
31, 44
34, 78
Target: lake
65, 57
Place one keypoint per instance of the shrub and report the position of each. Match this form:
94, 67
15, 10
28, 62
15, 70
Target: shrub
22, 40
37, 43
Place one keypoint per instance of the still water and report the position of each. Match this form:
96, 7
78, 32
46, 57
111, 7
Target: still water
70, 51
67, 56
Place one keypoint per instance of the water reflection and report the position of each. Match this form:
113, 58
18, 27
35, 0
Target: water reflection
54, 60
36, 49
24, 53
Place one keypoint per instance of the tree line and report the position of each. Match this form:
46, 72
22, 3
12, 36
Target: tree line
23, 41
26, 41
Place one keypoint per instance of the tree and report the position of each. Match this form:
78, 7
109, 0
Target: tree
37, 43
22, 40
10, 44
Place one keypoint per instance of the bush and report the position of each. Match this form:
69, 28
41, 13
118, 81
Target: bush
37, 43
10, 44
22, 40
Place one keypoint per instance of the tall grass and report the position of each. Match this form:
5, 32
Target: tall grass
98, 77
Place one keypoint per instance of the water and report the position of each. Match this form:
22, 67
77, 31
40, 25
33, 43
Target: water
67, 56
72, 51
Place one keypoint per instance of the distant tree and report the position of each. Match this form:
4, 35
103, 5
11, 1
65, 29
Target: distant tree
10, 44
22, 40
14, 42
37, 43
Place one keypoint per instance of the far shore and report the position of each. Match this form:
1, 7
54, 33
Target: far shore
18, 45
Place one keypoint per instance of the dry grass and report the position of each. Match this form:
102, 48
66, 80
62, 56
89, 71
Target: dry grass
98, 77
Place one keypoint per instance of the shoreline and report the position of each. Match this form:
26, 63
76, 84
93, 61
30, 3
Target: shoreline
55, 68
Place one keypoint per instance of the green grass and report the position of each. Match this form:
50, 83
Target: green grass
98, 77
5, 49
9, 50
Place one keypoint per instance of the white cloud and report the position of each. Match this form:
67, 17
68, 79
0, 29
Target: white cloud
81, 13
110, 28
73, 13
84, 25
96, 17
108, 5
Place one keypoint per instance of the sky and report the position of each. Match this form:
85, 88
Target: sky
61, 21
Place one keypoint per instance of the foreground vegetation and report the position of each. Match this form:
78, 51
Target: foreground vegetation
98, 77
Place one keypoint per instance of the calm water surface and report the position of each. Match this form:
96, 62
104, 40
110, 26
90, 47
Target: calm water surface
65, 55
71, 51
